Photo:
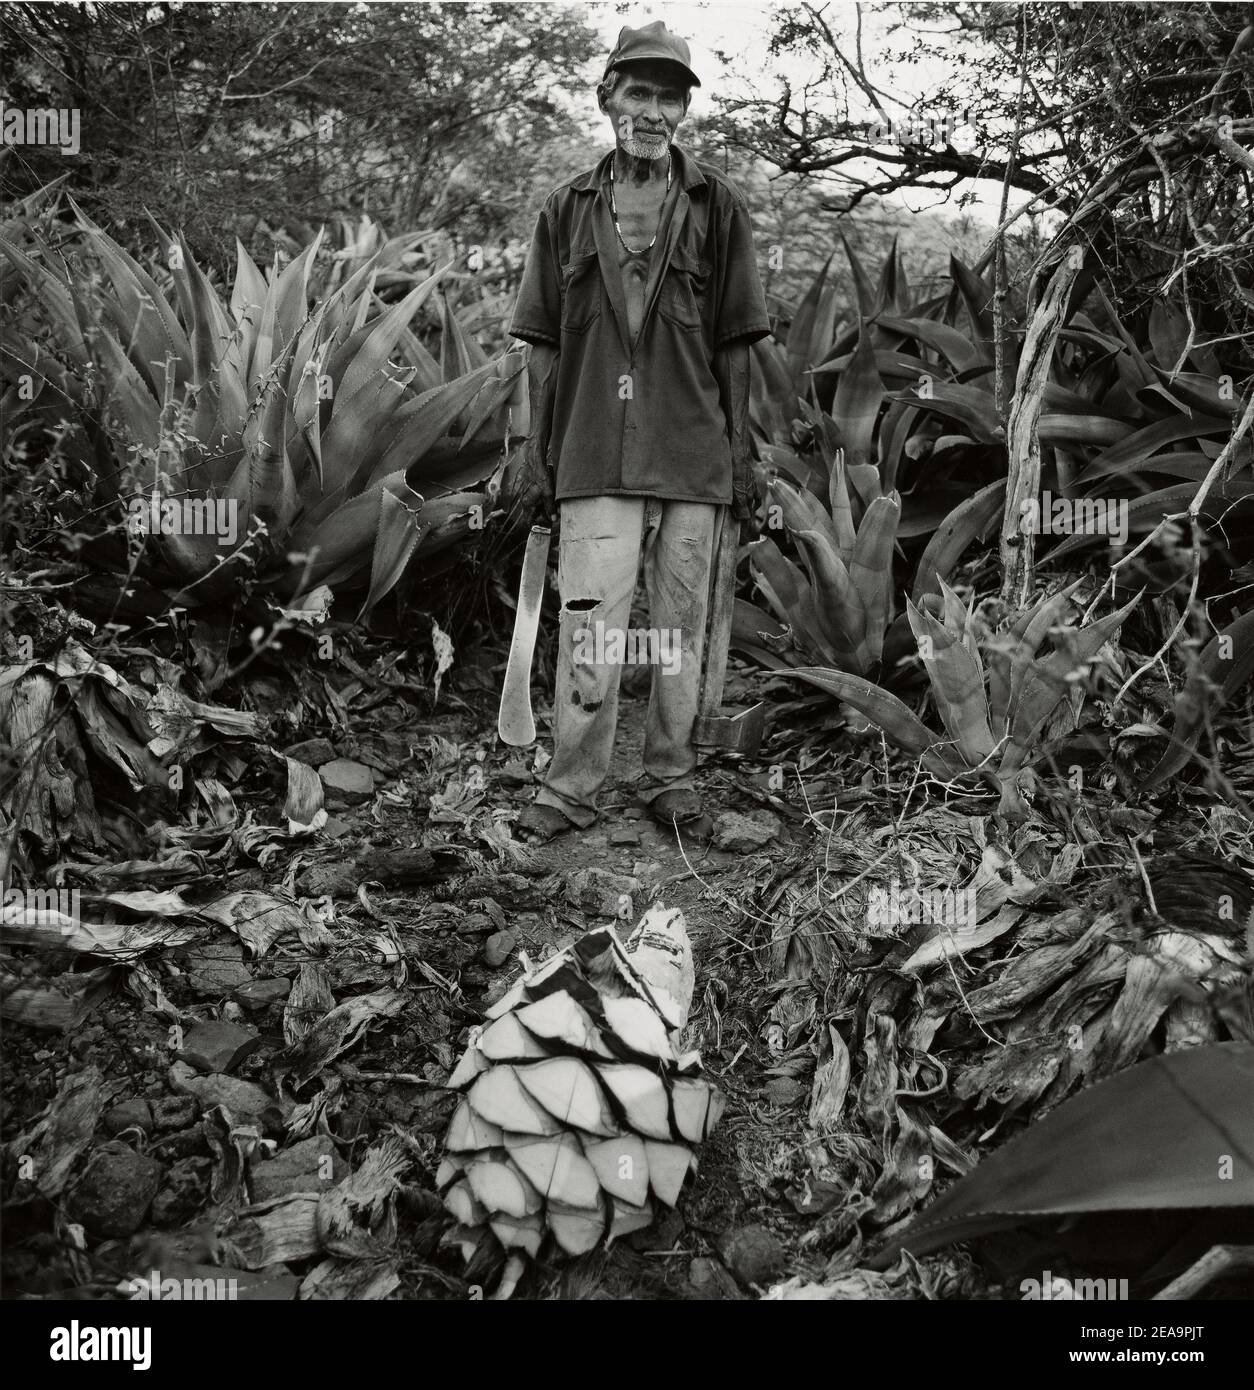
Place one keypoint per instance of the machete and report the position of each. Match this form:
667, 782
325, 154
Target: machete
515, 723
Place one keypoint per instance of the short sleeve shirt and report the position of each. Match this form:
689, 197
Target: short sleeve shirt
642, 421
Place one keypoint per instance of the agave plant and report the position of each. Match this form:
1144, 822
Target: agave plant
339, 446
997, 709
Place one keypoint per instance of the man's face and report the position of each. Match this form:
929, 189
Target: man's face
646, 108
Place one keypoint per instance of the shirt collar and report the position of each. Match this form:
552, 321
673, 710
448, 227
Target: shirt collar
688, 175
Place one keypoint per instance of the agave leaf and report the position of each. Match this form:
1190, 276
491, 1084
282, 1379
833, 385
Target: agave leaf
957, 685
801, 331
1129, 453
354, 415
1046, 683
284, 310
1195, 702
967, 404
898, 722
871, 568
419, 423
836, 600
977, 295
788, 591
862, 288
940, 337
859, 395
968, 520
773, 397
248, 301
1225, 505
54, 293
144, 321
842, 511
894, 430
1055, 428
400, 527
801, 510
459, 353
1023, 639
1176, 465
886, 294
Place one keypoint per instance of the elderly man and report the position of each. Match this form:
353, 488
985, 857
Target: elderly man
640, 299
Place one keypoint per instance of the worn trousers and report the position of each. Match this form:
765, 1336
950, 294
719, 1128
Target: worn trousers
597, 565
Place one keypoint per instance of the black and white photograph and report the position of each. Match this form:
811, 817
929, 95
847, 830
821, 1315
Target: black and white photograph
626, 675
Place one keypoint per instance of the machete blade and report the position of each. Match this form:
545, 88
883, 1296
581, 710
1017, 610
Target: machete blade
515, 723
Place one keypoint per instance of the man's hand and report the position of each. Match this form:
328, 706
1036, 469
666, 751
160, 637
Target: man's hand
746, 494
528, 484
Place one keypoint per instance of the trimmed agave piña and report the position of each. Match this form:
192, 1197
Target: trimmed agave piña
342, 448
996, 708
579, 1116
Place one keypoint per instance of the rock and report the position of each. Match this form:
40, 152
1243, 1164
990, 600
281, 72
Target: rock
785, 1090
247, 1103
217, 968
115, 1191
708, 1279
314, 751
312, 1165
601, 893
498, 948
752, 1254
183, 1193
259, 994
338, 879
183, 1143
335, 828
743, 834
129, 1114
624, 835
351, 781
173, 1112
513, 890
390, 866
218, 1046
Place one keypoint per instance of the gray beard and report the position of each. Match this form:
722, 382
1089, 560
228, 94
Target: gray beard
646, 147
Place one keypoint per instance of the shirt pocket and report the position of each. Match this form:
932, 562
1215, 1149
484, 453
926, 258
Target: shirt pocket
684, 300
581, 291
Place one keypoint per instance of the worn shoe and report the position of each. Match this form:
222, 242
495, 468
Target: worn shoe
681, 809
539, 823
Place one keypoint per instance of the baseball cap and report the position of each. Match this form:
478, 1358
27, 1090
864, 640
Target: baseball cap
651, 43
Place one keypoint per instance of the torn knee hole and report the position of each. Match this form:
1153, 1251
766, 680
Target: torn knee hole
582, 605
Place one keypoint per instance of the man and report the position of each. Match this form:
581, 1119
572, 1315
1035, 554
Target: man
640, 300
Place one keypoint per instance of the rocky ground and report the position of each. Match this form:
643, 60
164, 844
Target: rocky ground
258, 1085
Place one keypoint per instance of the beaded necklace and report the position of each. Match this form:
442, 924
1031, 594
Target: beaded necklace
614, 211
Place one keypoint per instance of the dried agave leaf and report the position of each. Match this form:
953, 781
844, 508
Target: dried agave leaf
639, 1028
519, 1233
472, 1063
468, 1131
642, 1095
831, 1083
556, 1167
622, 1167
669, 1165
629, 1217
499, 1096
463, 1205
500, 1187
575, 1229
568, 1090
559, 1018
508, 1041
698, 1106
